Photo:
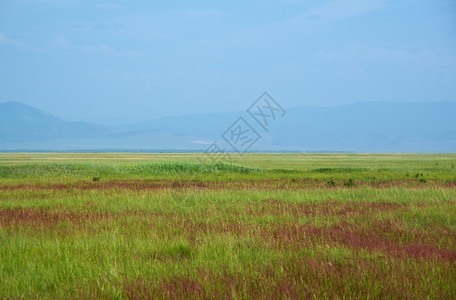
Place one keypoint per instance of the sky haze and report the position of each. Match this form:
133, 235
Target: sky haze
124, 61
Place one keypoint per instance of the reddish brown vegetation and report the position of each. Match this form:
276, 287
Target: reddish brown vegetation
388, 237
279, 208
371, 239
44, 218
276, 184
381, 237
297, 277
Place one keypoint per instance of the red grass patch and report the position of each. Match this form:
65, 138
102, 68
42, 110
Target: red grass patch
373, 239
43, 218
268, 184
328, 208
298, 277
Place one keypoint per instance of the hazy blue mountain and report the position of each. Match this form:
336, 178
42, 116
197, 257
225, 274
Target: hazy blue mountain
209, 126
23, 123
24, 127
365, 127
371, 126
360, 127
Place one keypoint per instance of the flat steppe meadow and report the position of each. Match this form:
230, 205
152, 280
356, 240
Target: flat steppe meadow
267, 226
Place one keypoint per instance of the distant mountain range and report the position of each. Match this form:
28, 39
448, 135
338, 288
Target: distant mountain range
360, 127
23, 127
22, 123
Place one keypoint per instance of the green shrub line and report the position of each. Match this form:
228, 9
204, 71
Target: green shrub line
339, 170
145, 169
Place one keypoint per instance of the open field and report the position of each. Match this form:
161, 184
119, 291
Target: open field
267, 226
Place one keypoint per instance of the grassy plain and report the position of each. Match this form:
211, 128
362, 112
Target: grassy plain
267, 226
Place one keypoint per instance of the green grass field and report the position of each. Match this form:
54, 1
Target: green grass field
267, 226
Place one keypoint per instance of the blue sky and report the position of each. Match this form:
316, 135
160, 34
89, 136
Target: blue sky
130, 61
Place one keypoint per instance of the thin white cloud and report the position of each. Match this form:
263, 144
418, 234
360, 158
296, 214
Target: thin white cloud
16, 43
171, 23
363, 53
110, 6
89, 27
344, 9
61, 41
201, 142
328, 12
53, 2
102, 48
308, 21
